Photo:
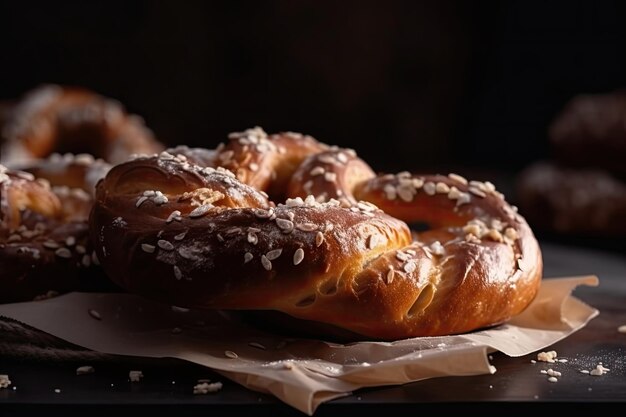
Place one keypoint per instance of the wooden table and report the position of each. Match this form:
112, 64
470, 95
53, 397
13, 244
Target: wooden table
517, 385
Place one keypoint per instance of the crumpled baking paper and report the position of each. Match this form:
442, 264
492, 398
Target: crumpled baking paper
301, 372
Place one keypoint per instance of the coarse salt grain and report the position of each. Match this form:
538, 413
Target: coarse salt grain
547, 356
205, 388
135, 376
84, 370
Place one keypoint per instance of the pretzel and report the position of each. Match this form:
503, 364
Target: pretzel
59, 119
198, 236
44, 236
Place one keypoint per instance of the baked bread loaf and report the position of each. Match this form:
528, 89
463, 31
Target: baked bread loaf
338, 251
54, 119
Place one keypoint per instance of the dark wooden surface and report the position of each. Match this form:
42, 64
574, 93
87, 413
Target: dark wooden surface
518, 384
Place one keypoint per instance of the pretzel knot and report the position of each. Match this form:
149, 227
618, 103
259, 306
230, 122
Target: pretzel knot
338, 251
44, 236
59, 119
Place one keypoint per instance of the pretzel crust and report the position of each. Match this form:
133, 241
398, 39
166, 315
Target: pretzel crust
197, 236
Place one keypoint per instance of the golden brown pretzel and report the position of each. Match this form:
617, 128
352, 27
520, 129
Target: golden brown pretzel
59, 119
198, 237
44, 237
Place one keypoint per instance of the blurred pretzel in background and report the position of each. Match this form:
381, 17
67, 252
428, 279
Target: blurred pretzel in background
56, 142
582, 192
55, 119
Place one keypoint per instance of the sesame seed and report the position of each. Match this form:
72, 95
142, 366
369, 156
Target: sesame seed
180, 236
93, 313
496, 224
552, 379
165, 245
454, 193
489, 187
273, 254
84, 370
80, 249
262, 214
442, 188
256, 345
284, 224
371, 241
319, 239
405, 193
330, 176
472, 229
86, 260
510, 233
437, 248
267, 264
390, 275
307, 227
390, 191
14, 238
148, 248
495, 235
520, 264
401, 256
63, 253
430, 188
252, 238
200, 211
457, 178
318, 170
230, 354
417, 183
247, 257
159, 198
477, 192
410, 267
327, 159
234, 231
253, 166
464, 198
50, 244
178, 274
140, 201
175, 215
341, 157
220, 237
70, 241
298, 256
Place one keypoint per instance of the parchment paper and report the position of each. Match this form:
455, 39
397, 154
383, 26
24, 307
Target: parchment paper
301, 372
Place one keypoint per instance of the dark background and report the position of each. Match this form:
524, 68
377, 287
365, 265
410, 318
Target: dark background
409, 84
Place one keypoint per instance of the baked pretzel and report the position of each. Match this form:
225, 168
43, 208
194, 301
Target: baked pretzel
44, 236
59, 119
200, 237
